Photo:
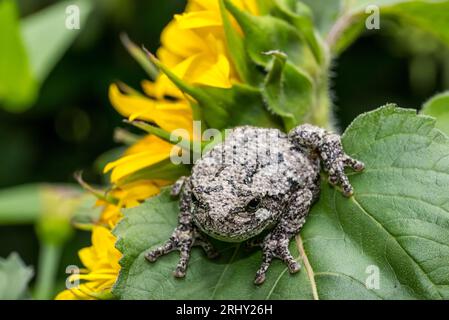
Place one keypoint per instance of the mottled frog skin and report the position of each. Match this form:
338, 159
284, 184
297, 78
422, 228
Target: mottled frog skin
258, 180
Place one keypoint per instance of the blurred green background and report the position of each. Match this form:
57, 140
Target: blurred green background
72, 122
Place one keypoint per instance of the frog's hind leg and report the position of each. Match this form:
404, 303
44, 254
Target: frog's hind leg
202, 241
275, 244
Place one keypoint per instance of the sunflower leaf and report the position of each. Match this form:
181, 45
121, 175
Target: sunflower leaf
243, 104
14, 278
268, 33
287, 91
236, 47
438, 107
164, 170
427, 15
300, 15
388, 241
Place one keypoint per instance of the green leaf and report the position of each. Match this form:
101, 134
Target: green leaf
236, 48
18, 87
31, 48
288, 91
395, 226
226, 108
300, 16
231, 276
398, 219
268, 33
244, 105
140, 56
46, 37
14, 278
432, 17
164, 170
21, 204
427, 15
438, 107
325, 13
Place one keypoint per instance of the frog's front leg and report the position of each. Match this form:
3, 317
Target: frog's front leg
184, 237
275, 244
329, 148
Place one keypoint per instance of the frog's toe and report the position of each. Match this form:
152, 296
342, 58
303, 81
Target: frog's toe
260, 278
293, 267
179, 272
353, 163
260, 274
337, 177
153, 255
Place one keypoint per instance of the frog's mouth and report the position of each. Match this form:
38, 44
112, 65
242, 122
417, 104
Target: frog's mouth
232, 228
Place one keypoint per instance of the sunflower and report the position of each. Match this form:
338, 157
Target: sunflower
193, 47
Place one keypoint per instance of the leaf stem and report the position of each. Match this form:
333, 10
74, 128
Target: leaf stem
49, 257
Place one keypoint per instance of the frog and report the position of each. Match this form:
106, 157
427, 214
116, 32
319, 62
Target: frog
257, 187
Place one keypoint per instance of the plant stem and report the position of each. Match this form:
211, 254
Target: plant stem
49, 257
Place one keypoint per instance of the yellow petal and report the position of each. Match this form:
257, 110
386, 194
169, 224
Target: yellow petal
66, 295
146, 143
138, 191
200, 19
199, 5
130, 164
250, 6
142, 155
110, 215
87, 257
211, 73
167, 115
168, 58
181, 42
126, 104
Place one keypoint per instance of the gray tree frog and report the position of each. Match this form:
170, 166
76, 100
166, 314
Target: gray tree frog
256, 180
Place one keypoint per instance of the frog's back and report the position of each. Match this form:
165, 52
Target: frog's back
253, 158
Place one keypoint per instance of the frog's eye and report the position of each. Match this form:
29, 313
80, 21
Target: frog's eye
253, 205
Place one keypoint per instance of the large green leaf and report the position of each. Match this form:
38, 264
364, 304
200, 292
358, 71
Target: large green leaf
397, 223
438, 107
427, 15
398, 219
229, 277
14, 278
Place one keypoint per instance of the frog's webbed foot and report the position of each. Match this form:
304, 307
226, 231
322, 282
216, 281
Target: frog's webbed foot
331, 152
183, 239
335, 161
275, 246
